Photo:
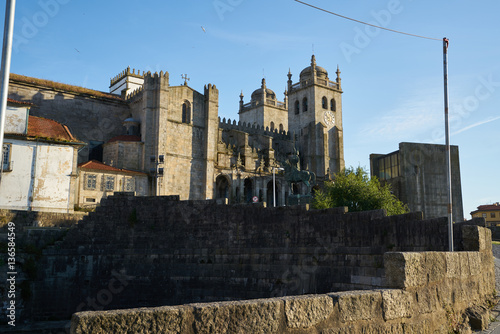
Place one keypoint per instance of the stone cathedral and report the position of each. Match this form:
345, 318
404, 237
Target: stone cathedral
175, 136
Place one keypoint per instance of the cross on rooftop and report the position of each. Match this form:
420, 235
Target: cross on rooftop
186, 79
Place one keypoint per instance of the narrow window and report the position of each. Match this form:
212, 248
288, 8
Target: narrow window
304, 104
109, 183
324, 102
272, 126
333, 105
129, 184
7, 167
281, 127
186, 113
492, 215
297, 107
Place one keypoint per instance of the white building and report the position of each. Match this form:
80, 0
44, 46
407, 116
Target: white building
39, 165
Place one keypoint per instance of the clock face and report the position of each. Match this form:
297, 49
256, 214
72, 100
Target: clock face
329, 118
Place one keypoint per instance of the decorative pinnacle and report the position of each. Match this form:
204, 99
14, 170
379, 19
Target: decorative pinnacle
289, 74
263, 83
313, 61
241, 96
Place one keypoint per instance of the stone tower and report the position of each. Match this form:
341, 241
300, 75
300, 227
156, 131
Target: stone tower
315, 119
179, 128
264, 110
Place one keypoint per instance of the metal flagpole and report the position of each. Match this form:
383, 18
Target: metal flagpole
5, 70
447, 135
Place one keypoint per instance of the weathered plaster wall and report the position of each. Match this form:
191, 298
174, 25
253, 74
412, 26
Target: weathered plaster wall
16, 120
41, 177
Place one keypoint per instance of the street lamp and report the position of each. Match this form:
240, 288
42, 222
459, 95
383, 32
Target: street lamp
274, 183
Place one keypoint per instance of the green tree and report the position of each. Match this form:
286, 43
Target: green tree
354, 188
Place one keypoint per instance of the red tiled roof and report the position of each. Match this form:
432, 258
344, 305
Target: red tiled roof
125, 138
12, 101
488, 207
97, 165
50, 129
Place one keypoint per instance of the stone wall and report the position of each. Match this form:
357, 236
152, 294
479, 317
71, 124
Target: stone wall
156, 251
90, 115
24, 219
427, 292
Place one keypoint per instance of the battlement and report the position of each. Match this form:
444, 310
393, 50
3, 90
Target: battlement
253, 129
153, 80
212, 90
126, 73
134, 95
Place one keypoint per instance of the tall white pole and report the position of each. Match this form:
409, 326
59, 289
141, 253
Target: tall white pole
5, 70
448, 151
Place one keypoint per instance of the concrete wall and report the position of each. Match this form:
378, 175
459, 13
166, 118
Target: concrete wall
424, 184
422, 180
427, 292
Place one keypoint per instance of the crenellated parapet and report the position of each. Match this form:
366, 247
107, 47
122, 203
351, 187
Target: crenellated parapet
134, 95
253, 129
211, 92
154, 79
125, 73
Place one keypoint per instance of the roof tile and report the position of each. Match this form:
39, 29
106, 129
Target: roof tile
97, 165
47, 128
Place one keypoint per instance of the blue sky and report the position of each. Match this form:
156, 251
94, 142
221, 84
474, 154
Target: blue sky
393, 84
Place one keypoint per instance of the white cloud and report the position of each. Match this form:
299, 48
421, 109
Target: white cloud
410, 119
491, 119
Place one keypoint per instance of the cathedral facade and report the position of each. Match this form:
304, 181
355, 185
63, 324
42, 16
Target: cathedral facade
174, 133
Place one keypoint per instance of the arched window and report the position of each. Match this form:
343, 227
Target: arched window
186, 112
333, 105
324, 102
297, 107
272, 126
304, 104
281, 127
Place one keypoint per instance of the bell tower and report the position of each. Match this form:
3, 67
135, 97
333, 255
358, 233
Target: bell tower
315, 118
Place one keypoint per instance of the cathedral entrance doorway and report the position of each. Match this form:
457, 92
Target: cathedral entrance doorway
248, 190
222, 187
